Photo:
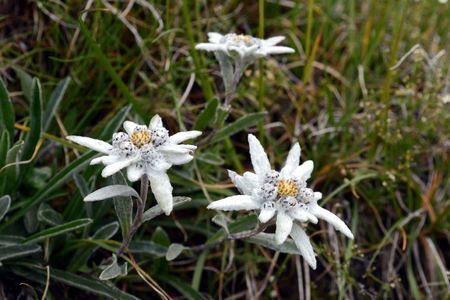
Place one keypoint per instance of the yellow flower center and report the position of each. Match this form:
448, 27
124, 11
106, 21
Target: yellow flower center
243, 38
287, 188
141, 138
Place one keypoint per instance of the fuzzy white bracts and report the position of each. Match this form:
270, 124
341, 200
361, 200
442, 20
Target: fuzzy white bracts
282, 195
144, 150
245, 46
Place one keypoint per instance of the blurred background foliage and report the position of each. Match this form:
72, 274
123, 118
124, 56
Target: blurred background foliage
367, 95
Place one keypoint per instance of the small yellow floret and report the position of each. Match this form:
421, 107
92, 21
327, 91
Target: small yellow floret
287, 188
243, 38
141, 138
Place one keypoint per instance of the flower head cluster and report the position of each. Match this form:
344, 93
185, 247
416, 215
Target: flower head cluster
144, 150
282, 195
235, 52
245, 46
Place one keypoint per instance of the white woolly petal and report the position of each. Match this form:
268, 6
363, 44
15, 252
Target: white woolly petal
134, 173
243, 185
272, 41
160, 164
155, 122
162, 189
187, 146
266, 214
116, 167
292, 161
331, 218
303, 244
251, 179
130, 127
304, 170
317, 196
178, 159
302, 215
210, 47
97, 145
214, 37
184, 135
106, 160
174, 149
260, 162
238, 202
277, 50
284, 226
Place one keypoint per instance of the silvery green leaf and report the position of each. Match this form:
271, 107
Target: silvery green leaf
123, 207
210, 158
54, 101
11, 168
8, 240
5, 203
58, 230
110, 192
226, 70
156, 210
148, 247
173, 251
268, 240
106, 231
221, 221
113, 270
13, 251
48, 215
30, 220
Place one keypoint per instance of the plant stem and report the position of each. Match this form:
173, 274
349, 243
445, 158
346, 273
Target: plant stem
139, 214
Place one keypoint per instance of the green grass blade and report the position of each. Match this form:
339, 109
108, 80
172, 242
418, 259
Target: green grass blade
199, 267
54, 101
207, 115
111, 72
26, 83
35, 121
57, 230
6, 111
4, 147
240, 124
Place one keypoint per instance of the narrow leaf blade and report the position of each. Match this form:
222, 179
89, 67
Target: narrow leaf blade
5, 203
6, 111
34, 134
57, 230
240, 124
55, 99
14, 251
207, 115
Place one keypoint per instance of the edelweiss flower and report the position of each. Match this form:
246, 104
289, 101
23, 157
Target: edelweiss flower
143, 150
283, 195
244, 45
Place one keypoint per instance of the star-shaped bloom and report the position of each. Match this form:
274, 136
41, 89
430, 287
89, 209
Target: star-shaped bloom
245, 46
144, 150
282, 195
